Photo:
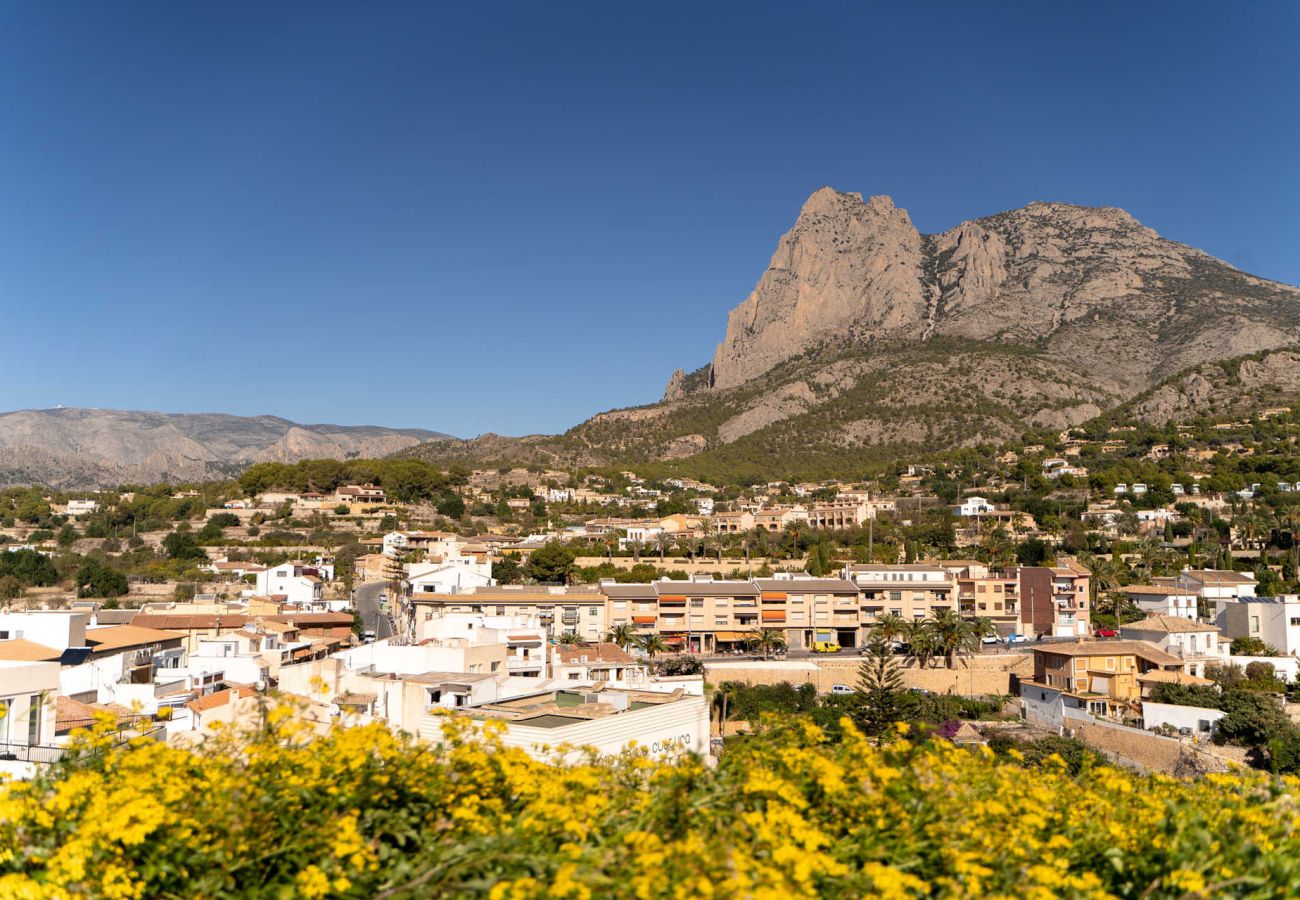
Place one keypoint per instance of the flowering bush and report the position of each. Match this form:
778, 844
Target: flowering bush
363, 812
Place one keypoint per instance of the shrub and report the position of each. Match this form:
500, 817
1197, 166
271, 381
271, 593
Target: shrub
364, 812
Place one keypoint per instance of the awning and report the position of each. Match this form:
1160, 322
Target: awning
672, 598
731, 636
775, 595
644, 620
773, 615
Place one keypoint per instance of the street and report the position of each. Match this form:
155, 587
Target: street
372, 619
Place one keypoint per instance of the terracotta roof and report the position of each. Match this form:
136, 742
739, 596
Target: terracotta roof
603, 652
1219, 576
1144, 649
306, 619
1157, 590
123, 637
1164, 624
186, 622
23, 650
1162, 676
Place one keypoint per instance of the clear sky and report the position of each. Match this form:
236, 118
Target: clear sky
506, 217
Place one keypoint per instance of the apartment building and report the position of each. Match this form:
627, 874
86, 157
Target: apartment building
813, 609
1217, 587
1165, 600
913, 591
1054, 599
692, 616
988, 593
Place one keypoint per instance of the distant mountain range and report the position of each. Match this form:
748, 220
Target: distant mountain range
78, 448
865, 340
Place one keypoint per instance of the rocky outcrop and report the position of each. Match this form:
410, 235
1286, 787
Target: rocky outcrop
845, 262
1093, 285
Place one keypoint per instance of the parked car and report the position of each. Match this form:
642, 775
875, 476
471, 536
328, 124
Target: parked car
1105, 633
842, 689
367, 637
990, 639
1017, 639
825, 647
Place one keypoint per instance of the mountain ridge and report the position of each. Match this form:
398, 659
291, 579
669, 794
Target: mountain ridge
73, 447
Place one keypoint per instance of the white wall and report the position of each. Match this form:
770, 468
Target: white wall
56, 630
20, 682
1156, 714
668, 730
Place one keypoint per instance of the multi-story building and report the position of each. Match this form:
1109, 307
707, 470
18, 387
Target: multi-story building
1084, 679
1196, 643
1274, 620
813, 609
913, 591
1165, 600
1054, 599
1217, 587
694, 616
558, 610
984, 592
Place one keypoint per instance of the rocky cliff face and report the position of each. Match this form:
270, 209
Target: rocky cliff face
74, 448
1091, 285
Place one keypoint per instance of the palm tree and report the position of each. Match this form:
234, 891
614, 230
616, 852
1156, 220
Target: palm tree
768, 640
723, 695
623, 635
951, 634
889, 627
570, 639
922, 641
653, 643
663, 540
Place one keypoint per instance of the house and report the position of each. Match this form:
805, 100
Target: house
28, 692
1218, 587
80, 508
1079, 680
449, 578
602, 663
557, 609
973, 506
1196, 643
359, 496
296, 582
1274, 620
1162, 599
604, 720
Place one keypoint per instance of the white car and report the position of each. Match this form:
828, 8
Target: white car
842, 689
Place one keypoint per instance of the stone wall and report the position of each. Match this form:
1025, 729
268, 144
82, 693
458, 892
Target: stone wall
1146, 752
984, 675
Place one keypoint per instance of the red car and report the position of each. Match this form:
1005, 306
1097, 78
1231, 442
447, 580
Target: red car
1105, 632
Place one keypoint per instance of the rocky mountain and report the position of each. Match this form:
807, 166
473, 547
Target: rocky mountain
76, 448
865, 339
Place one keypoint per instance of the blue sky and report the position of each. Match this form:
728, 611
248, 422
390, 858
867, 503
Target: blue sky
506, 217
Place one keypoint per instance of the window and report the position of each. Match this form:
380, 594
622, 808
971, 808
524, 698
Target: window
34, 720
896, 596
697, 604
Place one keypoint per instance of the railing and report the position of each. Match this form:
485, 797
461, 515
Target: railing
31, 753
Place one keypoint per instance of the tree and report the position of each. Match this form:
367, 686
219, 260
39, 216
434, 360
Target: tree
767, 641
1252, 646
952, 635
881, 684
32, 568
67, 536
922, 642
889, 627
551, 563
623, 635
508, 569
183, 545
94, 579
653, 643
570, 639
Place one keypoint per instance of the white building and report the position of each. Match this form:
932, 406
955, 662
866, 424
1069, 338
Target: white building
704, 506
1162, 600
1191, 720
455, 576
974, 506
1196, 643
1218, 587
293, 581
81, 507
607, 721
1274, 620
28, 692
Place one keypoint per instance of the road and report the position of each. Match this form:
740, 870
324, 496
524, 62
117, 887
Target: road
367, 600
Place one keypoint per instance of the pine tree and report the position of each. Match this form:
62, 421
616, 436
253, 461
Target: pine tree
881, 685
